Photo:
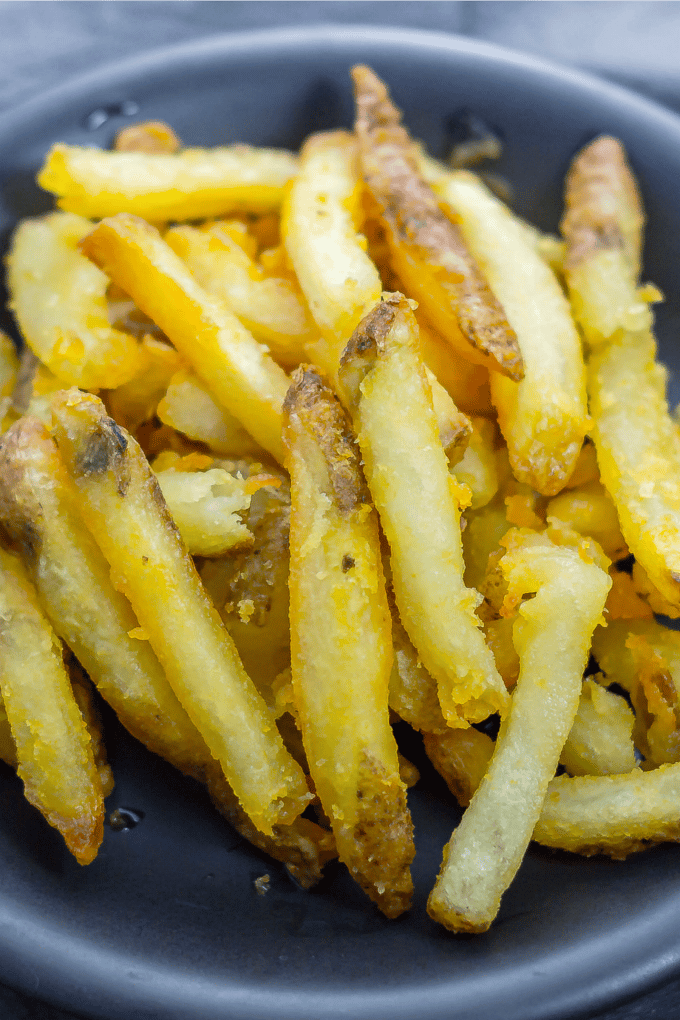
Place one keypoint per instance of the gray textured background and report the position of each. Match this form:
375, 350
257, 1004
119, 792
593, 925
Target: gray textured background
633, 43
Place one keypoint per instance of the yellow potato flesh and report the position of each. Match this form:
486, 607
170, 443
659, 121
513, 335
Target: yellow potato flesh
419, 505
341, 651
59, 299
124, 509
552, 635
189, 185
205, 505
544, 417
222, 352
53, 748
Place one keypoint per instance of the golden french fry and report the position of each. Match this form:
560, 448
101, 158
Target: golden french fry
82, 692
478, 467
8, 749
53, 748
623, 601
59, 300
205, 506
341, 647
543, 417
465, 382
383, 379
10, 368
124, 509
136, 401
188, 185
426, 246
589, 510
189, 407
223, 353
603, 225
149, 136
270, 307
600, 742
645, 588
461, 757
586, 469
552, 634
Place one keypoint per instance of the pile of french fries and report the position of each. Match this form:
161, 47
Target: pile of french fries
301, 446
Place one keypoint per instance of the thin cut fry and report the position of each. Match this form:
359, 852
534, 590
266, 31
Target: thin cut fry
189, 185
341, 646
53, 747
383, 379
223, 353
123, 507
552, 634
59, 299
427, 248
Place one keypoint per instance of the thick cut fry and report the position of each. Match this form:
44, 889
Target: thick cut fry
223, 353
205, 506
320, 225
544, 417
639, 454
189, 407
600, 742
270, 307
123, 507
552, 635
59, 299
341, 647
383, 378
613, 815
603, 226
427, 248
53, 748
189, 185
150, 136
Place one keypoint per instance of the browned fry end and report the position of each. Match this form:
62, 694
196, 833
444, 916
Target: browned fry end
367, 343
424, 231
20, 510
383, 838
603, 207
311, 401
104, 450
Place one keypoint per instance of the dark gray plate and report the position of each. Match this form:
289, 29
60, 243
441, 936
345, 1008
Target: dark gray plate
166, 924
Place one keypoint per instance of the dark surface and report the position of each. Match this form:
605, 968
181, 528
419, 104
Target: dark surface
169, 906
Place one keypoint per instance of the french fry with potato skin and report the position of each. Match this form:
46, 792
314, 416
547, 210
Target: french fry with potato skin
544, 416
552, 635
192, 184
238, 369
341, 648
427, 248
122, 506
54, 752
387, 391
70, 332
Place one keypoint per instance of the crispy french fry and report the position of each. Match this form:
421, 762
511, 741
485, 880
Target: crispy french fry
341, 646
600, 742
53, 748
123, 508
270, 307
150, 136
321, 219
222, 352
205, 506
426, 246
544, 417
384, 382
189, 407
645, 588
189, 185
603, 225
589, 510
82, 692
586, 469
552, 634
461, 757
623, 601
59, 299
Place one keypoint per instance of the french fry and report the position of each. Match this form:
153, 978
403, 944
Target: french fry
82, 692
8, 749
9, 372
70, 332
461, 757
123, 508
53, 748
586, 469
383, 379
603, 225
544, 416
589, 510
222, 352
645, 587
189, 407
205, 506
478, 468
600, 742
465, 382
552, 635
188, 185
341, 649
150, 136
136, 401
270, 307
426, 246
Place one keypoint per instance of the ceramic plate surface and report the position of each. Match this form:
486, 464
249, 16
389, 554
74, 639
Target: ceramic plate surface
166, 924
